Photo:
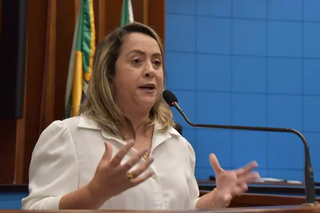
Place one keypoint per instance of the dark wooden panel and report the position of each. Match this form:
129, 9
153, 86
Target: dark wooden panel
99, 19
156, 17
249, 200
47, 102
138, 8
65, 25
266, 188
20, 143
112, 14
7, 150
36, 42
12, 58
10, 129
0, 17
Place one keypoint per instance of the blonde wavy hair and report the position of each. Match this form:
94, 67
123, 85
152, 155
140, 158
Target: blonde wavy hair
100, 104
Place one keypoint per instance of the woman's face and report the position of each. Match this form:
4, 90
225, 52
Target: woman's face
138, 80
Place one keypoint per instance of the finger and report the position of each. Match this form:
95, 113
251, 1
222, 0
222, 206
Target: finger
240, 171
215, 163
133, 161
142, 178
249, 177
237, 191
119, 156
248, 168
142, 168
107, 153
243, 187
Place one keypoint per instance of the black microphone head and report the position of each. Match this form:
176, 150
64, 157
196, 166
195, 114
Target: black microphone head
169, 97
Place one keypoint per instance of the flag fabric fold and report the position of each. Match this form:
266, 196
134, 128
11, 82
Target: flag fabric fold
81, 59
126, 12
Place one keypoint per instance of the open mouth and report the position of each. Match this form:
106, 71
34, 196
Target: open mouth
148, 87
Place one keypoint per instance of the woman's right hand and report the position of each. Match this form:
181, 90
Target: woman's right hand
111, 179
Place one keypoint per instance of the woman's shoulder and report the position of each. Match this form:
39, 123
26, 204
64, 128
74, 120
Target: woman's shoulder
68, 126
177, 136
184, 145
74, 122
65, 131
60, 125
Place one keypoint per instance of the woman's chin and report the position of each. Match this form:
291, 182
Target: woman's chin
147, 102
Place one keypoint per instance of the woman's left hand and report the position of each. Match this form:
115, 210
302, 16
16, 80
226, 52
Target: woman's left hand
231, 183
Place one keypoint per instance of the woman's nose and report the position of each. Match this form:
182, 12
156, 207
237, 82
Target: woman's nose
149, 71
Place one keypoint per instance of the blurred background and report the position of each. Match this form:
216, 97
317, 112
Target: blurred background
247, 62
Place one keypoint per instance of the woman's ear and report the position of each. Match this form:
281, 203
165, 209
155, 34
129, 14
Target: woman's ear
110, 80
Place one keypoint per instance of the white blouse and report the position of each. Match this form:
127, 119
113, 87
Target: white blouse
67, 154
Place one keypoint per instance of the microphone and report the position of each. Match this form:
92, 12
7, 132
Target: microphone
172, 101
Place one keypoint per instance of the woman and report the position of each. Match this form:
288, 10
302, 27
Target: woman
122, 151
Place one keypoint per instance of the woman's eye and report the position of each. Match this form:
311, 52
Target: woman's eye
136, 61
157, 63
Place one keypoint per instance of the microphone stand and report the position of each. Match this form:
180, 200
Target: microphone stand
308, 171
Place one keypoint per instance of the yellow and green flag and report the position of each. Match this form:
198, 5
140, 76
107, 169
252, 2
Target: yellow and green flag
126, 12
80, 66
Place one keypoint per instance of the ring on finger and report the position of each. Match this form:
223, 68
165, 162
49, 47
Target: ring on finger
130, 176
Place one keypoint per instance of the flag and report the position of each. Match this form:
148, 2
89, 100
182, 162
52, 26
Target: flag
81, 59
126, 12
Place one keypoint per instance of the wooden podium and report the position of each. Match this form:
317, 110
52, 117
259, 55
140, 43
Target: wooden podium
266, 194
281, 197
271, 209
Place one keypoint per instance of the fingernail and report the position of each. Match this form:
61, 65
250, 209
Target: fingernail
151, 159
131, 143
145, 150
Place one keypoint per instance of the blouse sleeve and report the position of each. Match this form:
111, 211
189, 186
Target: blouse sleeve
53, 169
193, 184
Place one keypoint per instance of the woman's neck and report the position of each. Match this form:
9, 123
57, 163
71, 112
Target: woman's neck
135, 114
137, 120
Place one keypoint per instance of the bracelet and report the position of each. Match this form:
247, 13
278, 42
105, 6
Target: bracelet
212, 201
